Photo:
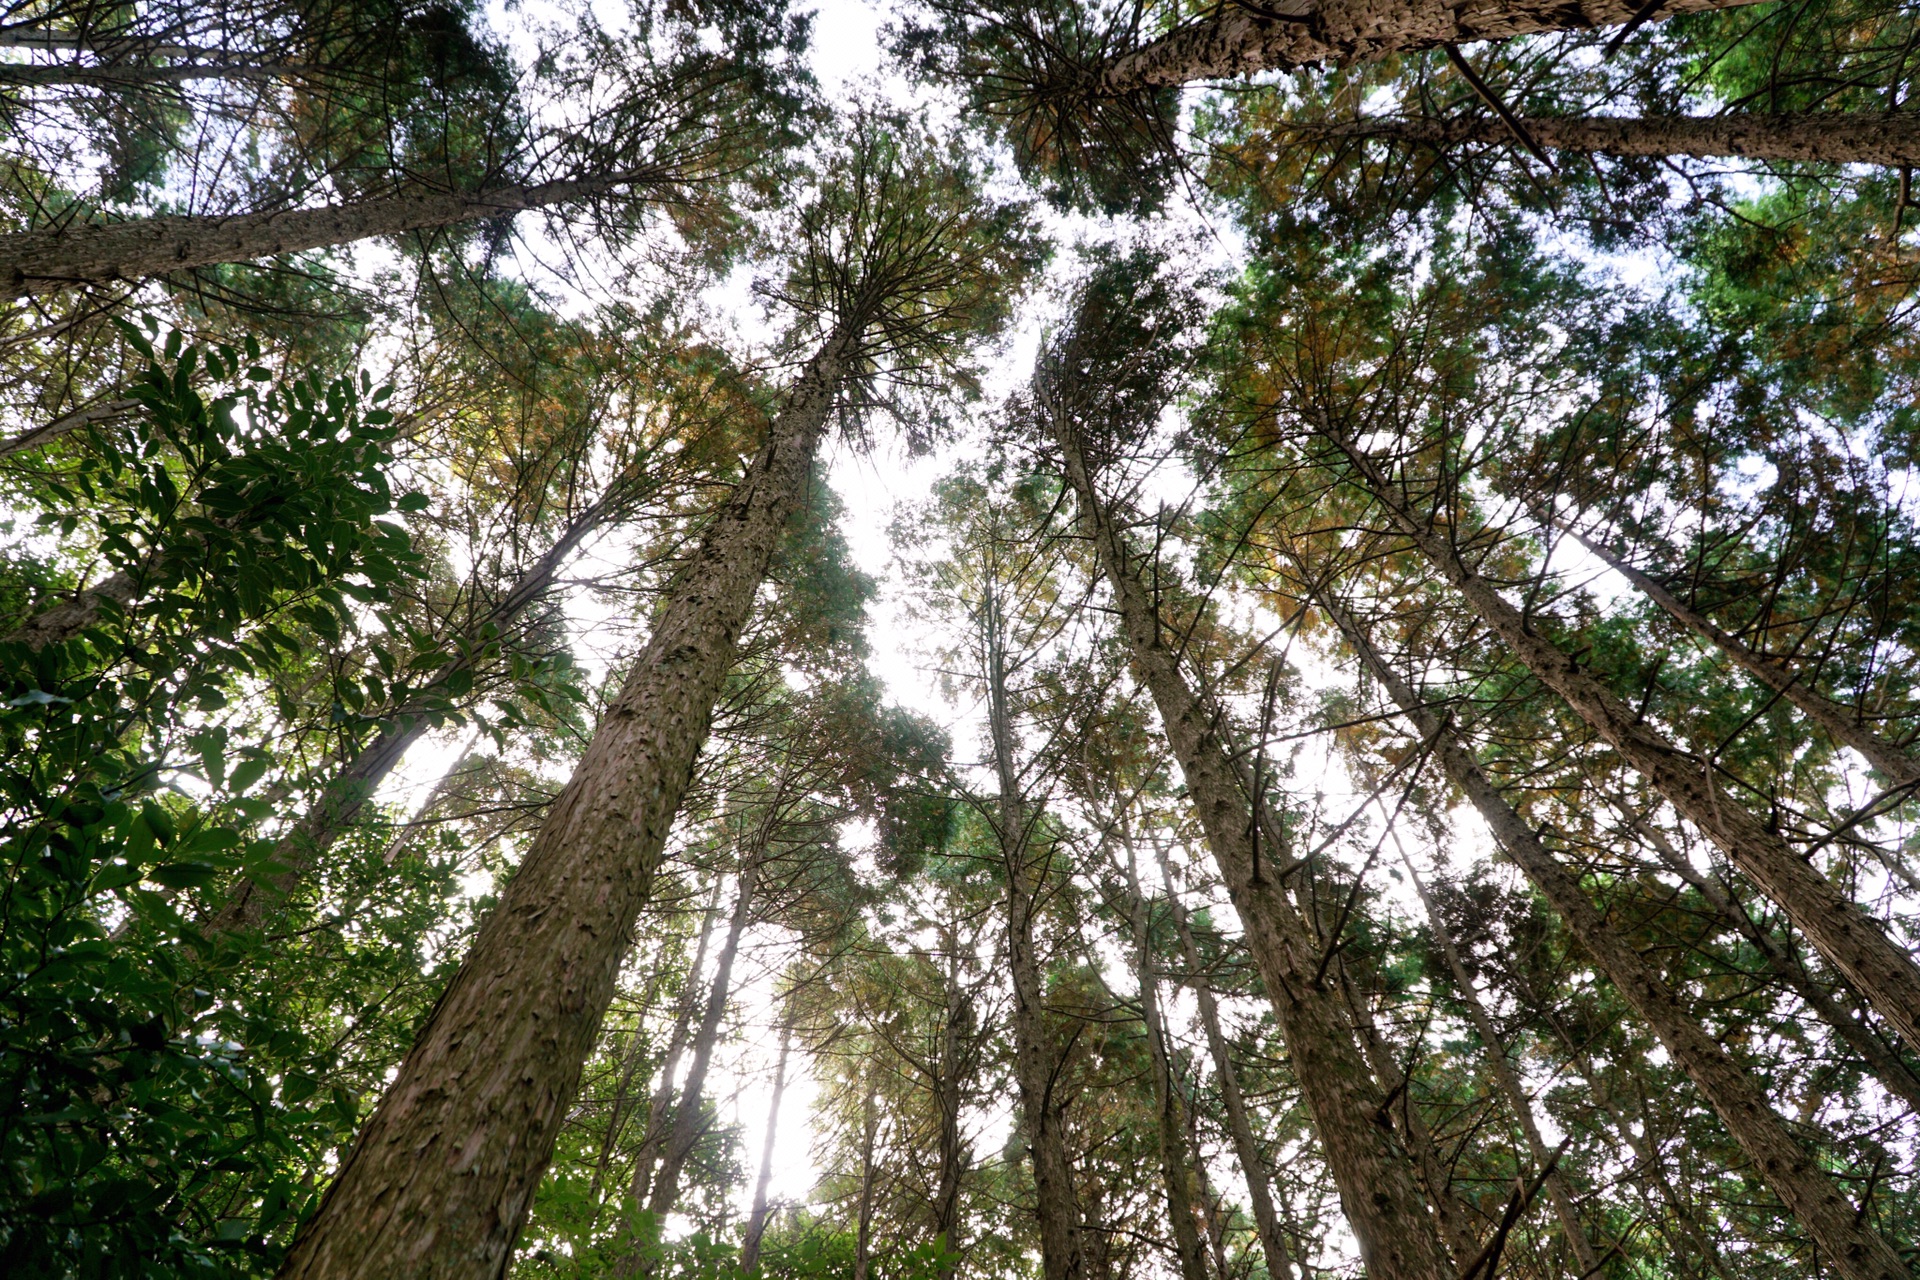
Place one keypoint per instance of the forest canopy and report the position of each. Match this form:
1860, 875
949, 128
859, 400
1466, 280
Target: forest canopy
959, 640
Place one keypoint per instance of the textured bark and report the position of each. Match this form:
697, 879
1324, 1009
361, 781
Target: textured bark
1895, 1075
948, 1090
1558, 1193
50, 259
1788, 1168
1253, 1165
347, 792
757, 1218
1034, 1061
1851, 940
1238, 38
1859, 137
687, 1128
863, 1231
66, 620
1175, 1160
1839, 723
441, 1176
1378, 1188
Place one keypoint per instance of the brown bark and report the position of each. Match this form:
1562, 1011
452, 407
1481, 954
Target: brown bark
1035, 1065
1860, 137
1238, 38
348, 791
1851, 940
1378, 1188
757, 1219
1175, 1160
1494, 1045
50, 259
47, 432
59, 623
948, 1088
1839, 723
441, 1176
863, 1229
1253, 1165
1788, 1168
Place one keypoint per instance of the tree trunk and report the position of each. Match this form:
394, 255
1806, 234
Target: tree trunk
863, 1230
1893, 1074
1852, 137
757, 1221
949, 1086
676, 1045
1850, 939
1378, 1188
1839, 724
1175, 1162
340, 802
51, 259
47, 432
127, 76
1253, 1165
440, 1178
1558, 1194
1787, 1167
1238, 39
687, 1128
1035, 1064
59, 623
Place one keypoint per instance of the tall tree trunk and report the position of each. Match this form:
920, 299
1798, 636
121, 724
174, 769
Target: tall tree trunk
127, 76
1175, 1161
863, 1229
676, 1045
1850, 939
46, 432
687, 1128
347, 792
949, 1087
440, 1178
51, 259
757, 1221
1238, 38
1558, 1194
1839, 723
1253, 1165
1783, 1163
1378, 1188
1852, 137
1887, 1067
1035, 1064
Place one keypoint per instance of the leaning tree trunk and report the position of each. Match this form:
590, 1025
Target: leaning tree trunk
1378, 1187
54, 258
1246, 1148
1786, 1166
1175, 1163
1035, 1063
347, 792
757, 1219
441, 1176
1238, 39
124, 76
1839, 137
1840, 724
1850, 939
686, 1131
1518, 1102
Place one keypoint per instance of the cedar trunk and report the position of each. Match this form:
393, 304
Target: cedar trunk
1242, 39
757, 1220
1854, 137
50, 259
1787, 1167
1850, 939
441, 1176
1378, 1188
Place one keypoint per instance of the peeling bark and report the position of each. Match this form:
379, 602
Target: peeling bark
441, 1176
1238, 39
